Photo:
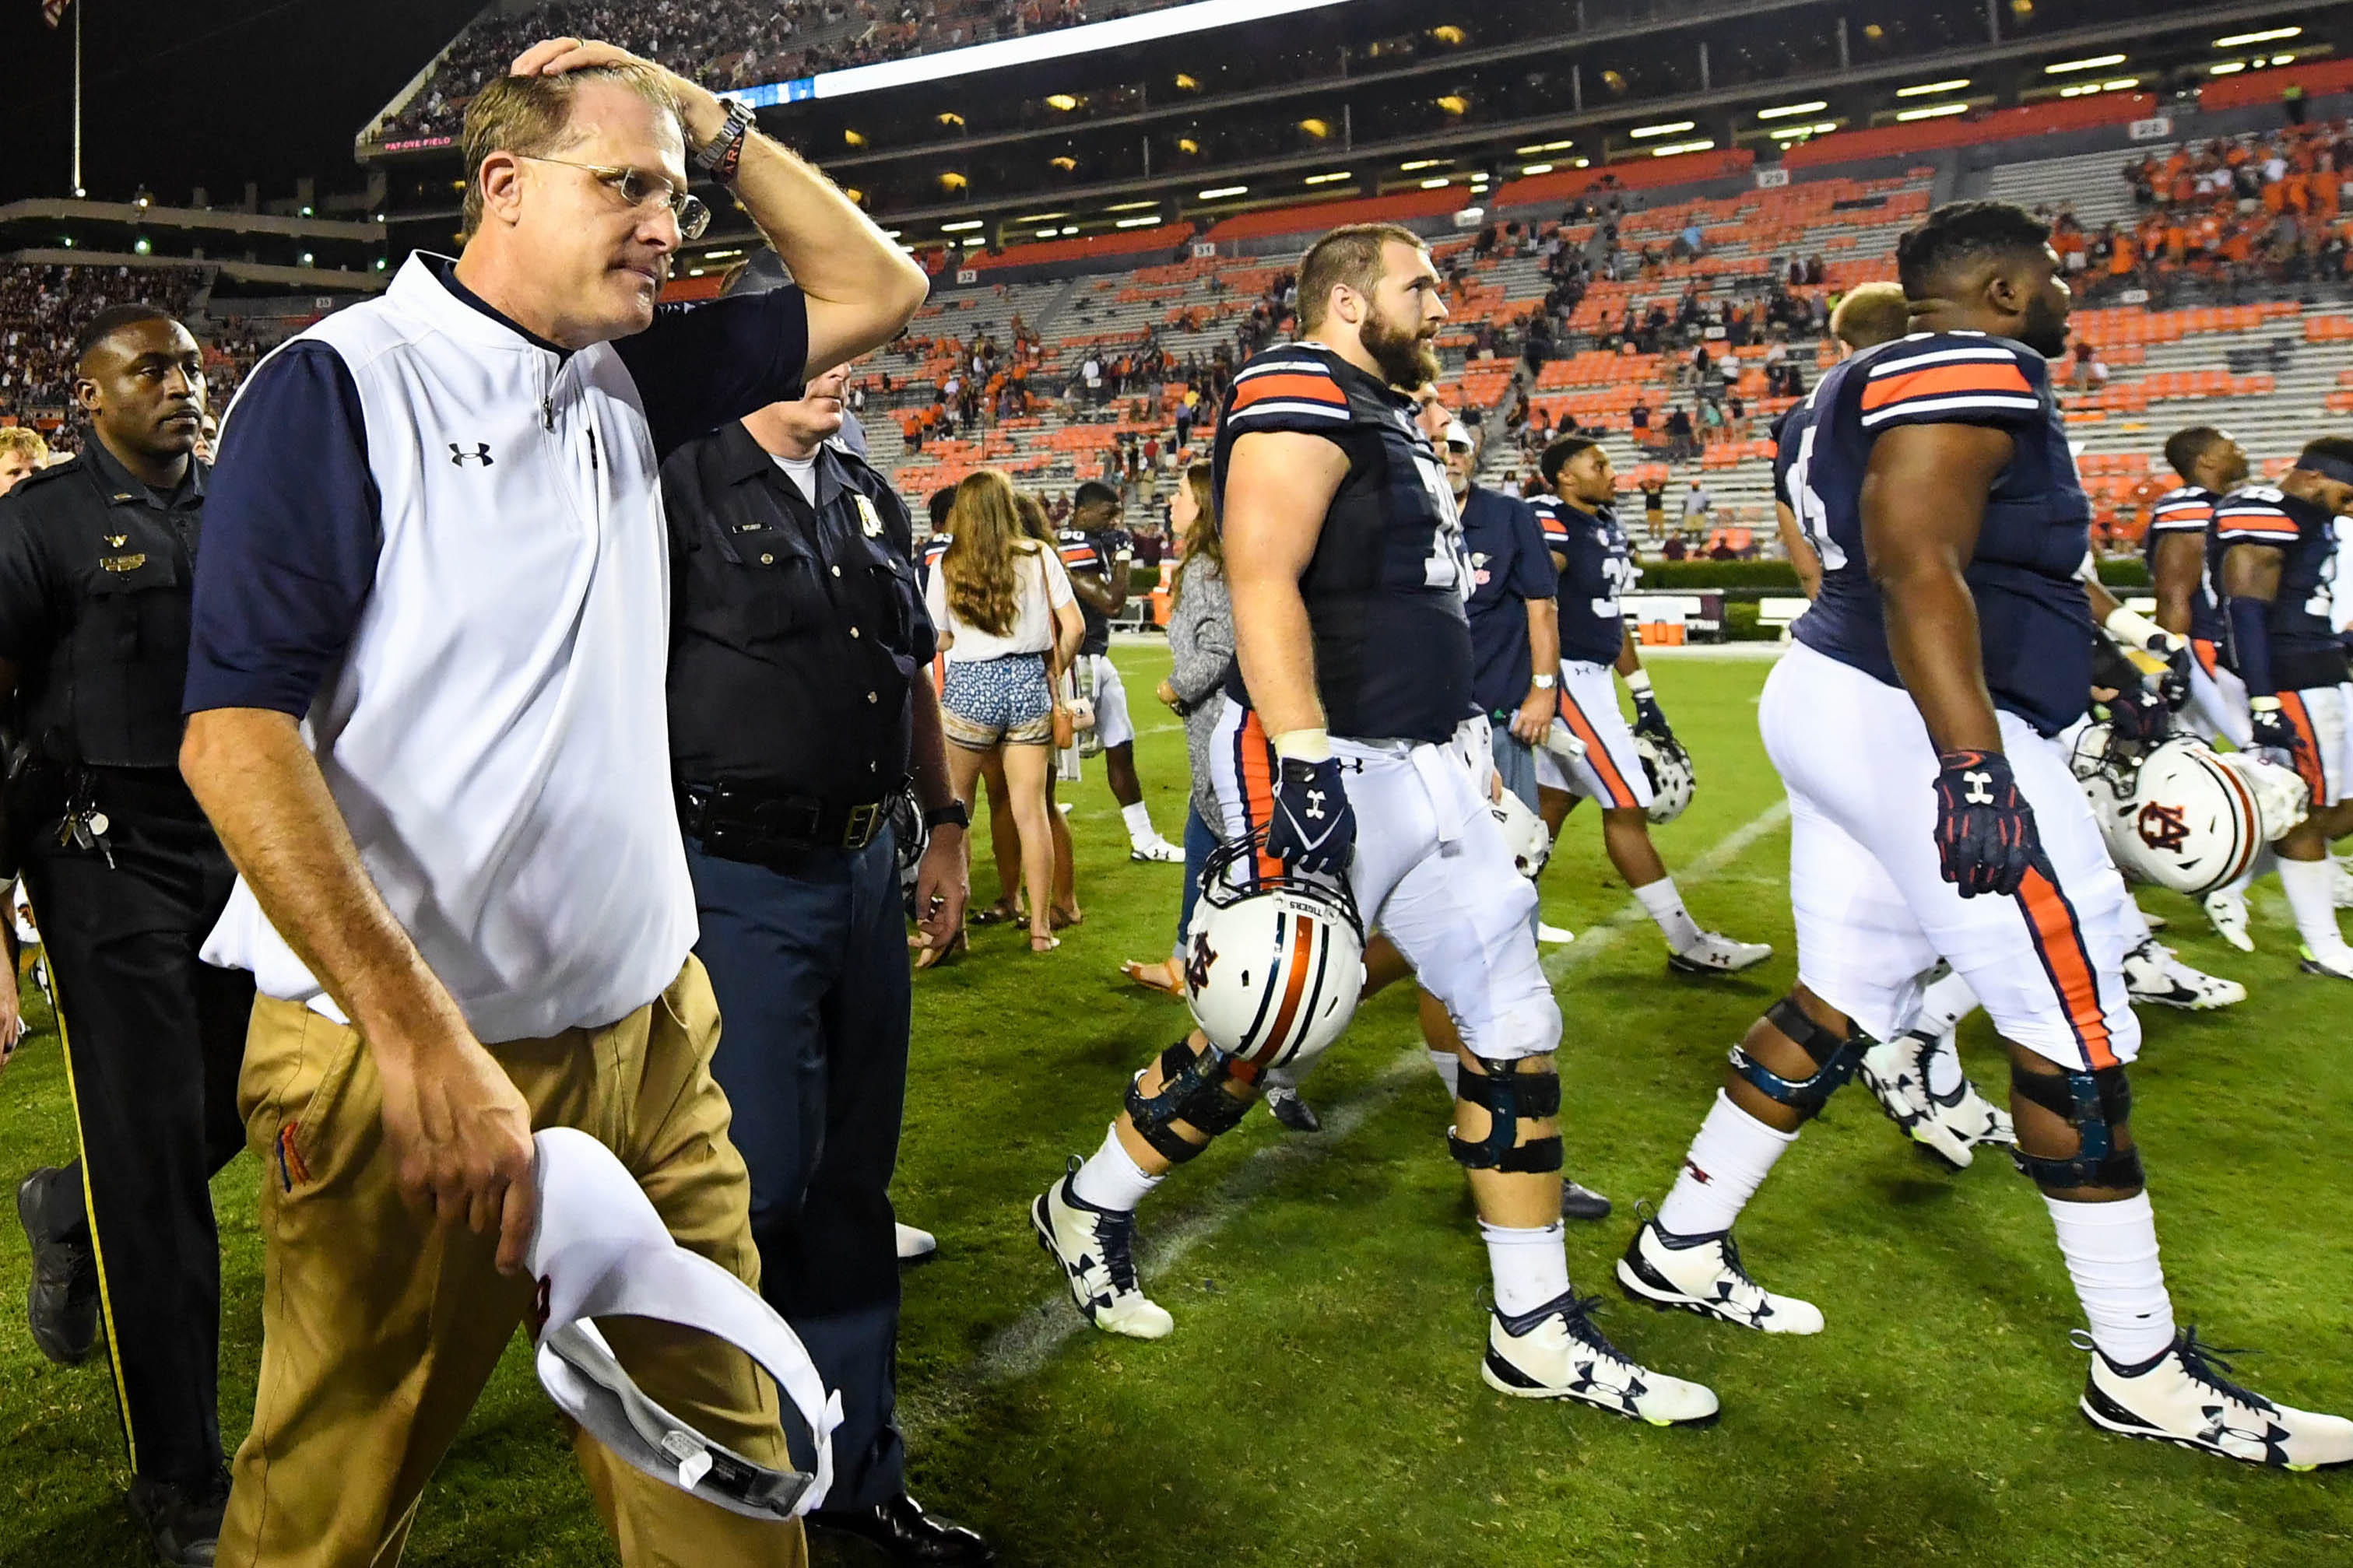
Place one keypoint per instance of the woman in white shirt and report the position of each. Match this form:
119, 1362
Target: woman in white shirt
1007, 625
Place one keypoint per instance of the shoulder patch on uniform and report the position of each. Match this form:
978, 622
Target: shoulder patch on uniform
2255, 517
1293, 384
2184, 509
1938, 377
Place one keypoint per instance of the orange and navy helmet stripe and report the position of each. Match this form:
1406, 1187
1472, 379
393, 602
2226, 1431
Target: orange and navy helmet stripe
1597, 754
2058, 939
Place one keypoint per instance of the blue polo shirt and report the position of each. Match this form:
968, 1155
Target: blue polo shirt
1509, 566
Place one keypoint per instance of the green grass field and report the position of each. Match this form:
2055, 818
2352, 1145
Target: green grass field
1320, 1400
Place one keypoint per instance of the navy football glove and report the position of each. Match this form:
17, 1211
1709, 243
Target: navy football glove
1314, 828
2173, 686
2275, 740
1984, 829
2139, 715
1650, 719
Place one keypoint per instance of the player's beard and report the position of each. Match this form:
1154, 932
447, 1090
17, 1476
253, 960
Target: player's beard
1408, 360
2043, 328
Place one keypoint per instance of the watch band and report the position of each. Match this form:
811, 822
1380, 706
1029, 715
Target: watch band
720, 156
955, 811
1544, 682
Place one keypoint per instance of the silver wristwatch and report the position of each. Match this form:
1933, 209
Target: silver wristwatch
719, 155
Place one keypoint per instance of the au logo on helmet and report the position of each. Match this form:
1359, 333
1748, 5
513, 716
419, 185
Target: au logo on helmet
2161, 828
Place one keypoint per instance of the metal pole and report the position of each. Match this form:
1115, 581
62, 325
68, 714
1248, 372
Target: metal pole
1993, 21
78, 8
1576, 86
1702, 66
1844, 63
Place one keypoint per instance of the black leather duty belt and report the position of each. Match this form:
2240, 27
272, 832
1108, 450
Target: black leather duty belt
738, 823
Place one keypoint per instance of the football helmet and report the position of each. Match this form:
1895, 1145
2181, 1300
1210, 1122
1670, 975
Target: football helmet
1669, 768
1274, 960
1524, 831
2177, 814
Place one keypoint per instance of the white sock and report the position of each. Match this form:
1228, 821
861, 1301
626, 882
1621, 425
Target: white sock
2311, 888
1530, 1266
1944, 1066
2111, 1252
1728, 1161
1110, 1179
1945, 1004
1140, 831
1448, 1068
1665, 906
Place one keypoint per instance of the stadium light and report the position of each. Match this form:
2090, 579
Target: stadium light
2269, 35
960, 226
1129, 206
720, 254
1038, 217
1325, 179
1433, 185
1783, 112
1544, 147
1925, 89
1935, 112
2091, 63
1147, 221
1070, 229
2226, 68
1005, 54
2283, 59
1222, 192
1417, 165
1639, 131
1671, 148
1534, 169
968, 241
1790, 132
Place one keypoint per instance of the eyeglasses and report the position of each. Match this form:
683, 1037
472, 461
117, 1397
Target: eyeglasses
638, 188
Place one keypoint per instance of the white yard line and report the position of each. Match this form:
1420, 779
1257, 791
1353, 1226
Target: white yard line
1024, 1347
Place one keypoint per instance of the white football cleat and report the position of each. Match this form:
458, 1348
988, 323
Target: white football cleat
2226, 912
1553, 936
1703, 1274
1555, 1353
1096, 1249
1715, 954
2334, 968
1159, 851
1950, 1126
2156, 975
2179, 1398
914, 1243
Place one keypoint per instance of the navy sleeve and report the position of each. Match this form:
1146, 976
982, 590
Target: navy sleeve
1533, 576
704, 364
293, 529
27, 627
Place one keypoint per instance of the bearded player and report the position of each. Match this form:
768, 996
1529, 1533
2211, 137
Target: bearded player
1934, 819
1336, 755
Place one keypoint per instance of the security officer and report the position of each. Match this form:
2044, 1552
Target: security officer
96, 561
798, 714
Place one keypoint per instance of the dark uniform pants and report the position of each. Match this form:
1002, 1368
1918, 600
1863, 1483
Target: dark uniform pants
153, 1039
810, 968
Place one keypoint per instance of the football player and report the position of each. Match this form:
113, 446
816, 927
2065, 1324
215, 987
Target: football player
1589, 552
1336, 759
1935, 819
1869, 315
2271, 556
1098, 553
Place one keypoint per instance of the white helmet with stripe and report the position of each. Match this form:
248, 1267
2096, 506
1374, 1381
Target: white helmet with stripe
1524, 833
1668, 767
1273, 960
2181, 815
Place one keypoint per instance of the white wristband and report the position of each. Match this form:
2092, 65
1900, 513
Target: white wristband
1305, 745
2135, 630
2264, 704
1639, 683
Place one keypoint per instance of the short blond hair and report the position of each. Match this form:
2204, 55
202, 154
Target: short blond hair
26, 440
531, 117
1869, 315
1350, 254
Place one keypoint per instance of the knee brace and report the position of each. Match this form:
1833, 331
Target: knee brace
1507, 1096
2095, 1104
1192, 1090
1835, 1060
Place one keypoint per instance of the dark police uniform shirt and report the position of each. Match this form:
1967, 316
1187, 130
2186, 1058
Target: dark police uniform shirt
795, 631
2186, 509
1098, 555
95, 577
1386, 586
1597, 568
2034, 619
1509, 566
2306, 651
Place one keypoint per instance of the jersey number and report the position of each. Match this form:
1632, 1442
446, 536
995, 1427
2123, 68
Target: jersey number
1620, 573
1813, 517
1442, 567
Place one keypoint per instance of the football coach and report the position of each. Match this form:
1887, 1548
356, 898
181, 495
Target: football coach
426, 716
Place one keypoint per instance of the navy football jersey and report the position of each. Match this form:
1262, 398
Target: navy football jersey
2306, 651
1509, 566
1386, 586
933, 548
1098, 554
1789, 427
2034, 620
1596, 569
2186, 509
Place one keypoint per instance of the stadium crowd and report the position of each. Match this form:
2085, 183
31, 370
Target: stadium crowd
42, 310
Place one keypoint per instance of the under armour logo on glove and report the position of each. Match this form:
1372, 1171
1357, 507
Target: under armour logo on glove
2276, 739
1314, 828
1649, 719
1985, 830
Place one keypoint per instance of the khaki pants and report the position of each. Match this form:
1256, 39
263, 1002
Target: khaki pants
379, 1330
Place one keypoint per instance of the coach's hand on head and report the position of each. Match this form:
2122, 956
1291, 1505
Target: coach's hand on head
860, 288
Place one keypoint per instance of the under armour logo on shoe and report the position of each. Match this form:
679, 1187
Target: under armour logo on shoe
1979, 792
480, 454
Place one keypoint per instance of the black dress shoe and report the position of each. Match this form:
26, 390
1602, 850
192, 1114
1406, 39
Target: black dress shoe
61, 1303
903, 1533
183, 1522
1581, 1203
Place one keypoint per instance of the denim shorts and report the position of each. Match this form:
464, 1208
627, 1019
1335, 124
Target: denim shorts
999, 701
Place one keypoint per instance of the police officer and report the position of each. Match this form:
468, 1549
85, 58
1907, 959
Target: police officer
799, 713
126, 876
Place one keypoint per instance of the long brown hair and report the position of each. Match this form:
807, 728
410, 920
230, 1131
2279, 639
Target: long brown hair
1202, 541
985, 539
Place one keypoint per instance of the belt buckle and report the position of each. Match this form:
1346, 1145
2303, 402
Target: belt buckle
858, 832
